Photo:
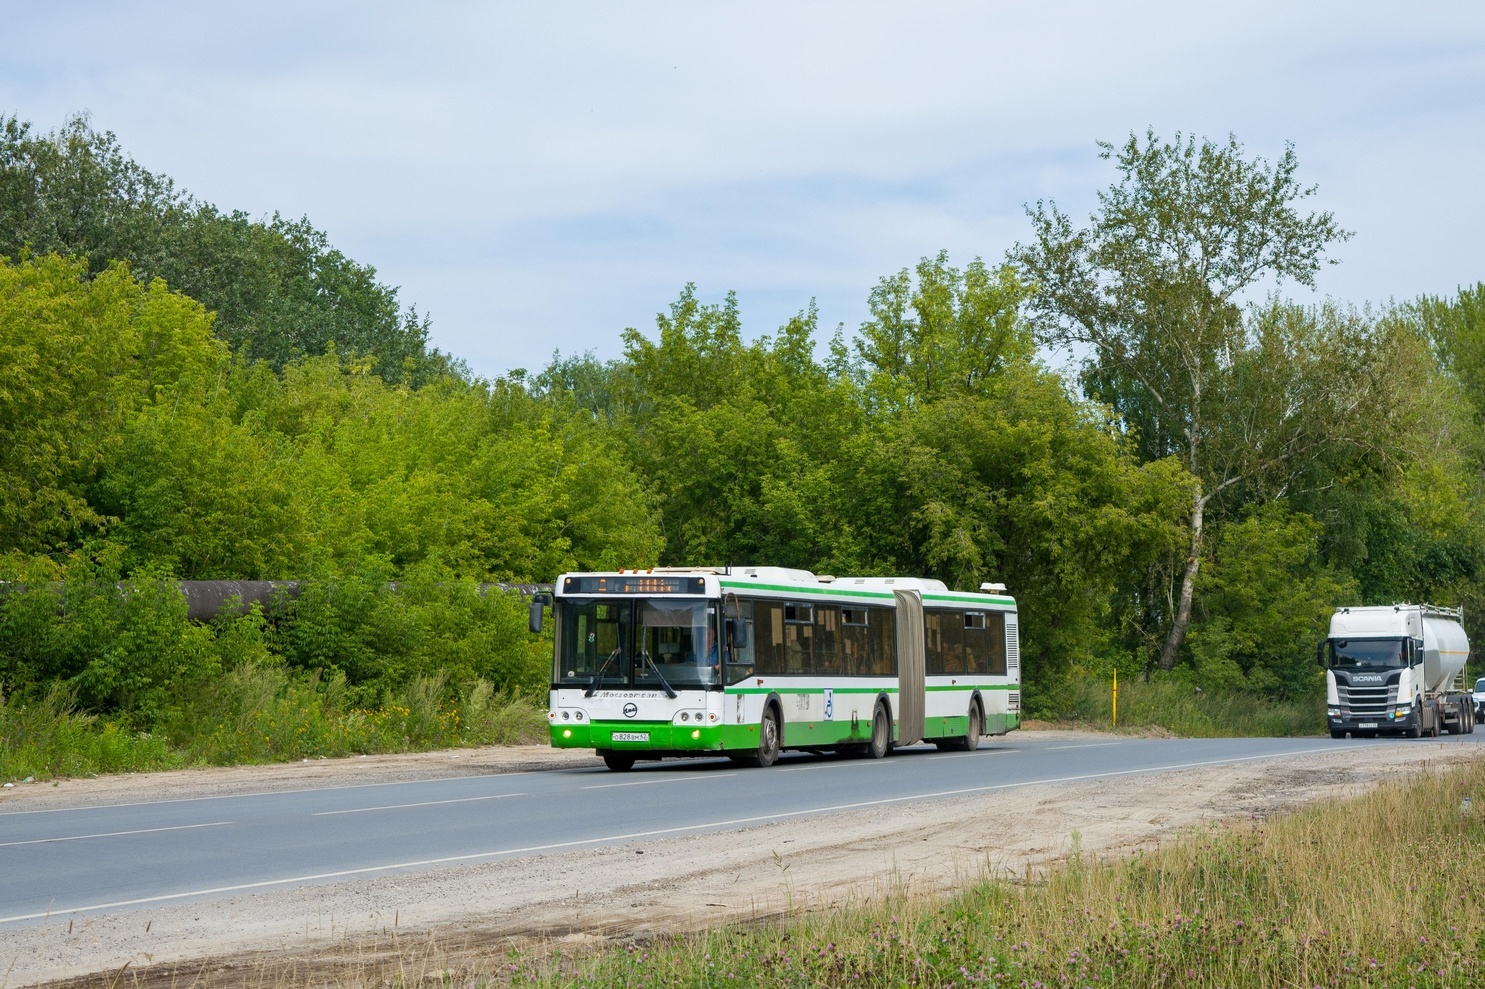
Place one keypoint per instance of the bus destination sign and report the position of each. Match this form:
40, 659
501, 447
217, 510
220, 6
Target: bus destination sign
634, 584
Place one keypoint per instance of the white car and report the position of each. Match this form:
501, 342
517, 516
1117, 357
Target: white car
1480, 699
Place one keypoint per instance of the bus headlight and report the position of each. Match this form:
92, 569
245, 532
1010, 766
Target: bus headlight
566, 716
566, 732
696, 734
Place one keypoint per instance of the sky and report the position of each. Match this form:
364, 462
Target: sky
536, 177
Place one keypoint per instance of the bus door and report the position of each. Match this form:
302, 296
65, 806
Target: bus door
910, 666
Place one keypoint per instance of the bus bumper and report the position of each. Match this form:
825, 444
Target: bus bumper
629, 736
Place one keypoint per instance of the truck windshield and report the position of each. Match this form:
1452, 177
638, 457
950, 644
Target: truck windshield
614, 643
1367, 654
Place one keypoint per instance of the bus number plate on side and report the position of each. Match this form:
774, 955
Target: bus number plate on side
631, 736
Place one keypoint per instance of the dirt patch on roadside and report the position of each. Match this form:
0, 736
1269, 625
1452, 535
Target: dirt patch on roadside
434, 925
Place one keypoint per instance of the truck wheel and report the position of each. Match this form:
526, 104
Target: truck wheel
1437, 717
1337, 734
1417, 730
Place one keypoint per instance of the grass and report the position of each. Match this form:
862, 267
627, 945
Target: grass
1181, 710
1384, 890
259, 715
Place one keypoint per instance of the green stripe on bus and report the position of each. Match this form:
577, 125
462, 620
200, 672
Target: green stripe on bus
810, 690
864, 593
969, 598
794, 589
867, 690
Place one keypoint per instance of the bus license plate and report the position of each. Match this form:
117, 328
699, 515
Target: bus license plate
631, 736
1364, 724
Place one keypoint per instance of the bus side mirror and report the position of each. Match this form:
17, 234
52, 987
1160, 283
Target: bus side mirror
538, 605
737, 633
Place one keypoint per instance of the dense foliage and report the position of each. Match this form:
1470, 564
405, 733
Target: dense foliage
279, 290
191, 395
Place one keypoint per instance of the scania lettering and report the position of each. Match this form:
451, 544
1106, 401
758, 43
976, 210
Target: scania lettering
1396, 669
747, 662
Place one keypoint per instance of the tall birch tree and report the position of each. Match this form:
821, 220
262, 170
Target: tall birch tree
1150, 295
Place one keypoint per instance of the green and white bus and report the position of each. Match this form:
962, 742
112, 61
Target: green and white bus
748, 661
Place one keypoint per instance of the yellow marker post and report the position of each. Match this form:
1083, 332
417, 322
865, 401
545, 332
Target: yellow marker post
1116, 698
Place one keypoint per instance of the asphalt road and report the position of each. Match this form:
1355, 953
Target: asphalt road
105, 859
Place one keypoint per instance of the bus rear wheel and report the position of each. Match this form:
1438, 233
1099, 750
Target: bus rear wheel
881, 734
619, 762
971, 740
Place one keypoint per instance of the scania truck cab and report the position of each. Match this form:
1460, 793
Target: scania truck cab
1396, 669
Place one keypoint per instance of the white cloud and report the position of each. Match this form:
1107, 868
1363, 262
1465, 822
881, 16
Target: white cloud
540, 175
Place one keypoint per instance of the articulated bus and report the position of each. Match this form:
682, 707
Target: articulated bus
748, 661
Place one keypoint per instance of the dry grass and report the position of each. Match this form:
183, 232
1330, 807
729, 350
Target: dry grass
1384, 890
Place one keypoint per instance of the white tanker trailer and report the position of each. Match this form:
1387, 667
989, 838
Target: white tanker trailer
1396, 669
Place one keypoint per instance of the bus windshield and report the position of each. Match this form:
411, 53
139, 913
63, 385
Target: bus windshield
1367, 654
640, 643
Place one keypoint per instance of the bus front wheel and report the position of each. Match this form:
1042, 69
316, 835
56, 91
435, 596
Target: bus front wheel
881, 734
770, 740
619, 762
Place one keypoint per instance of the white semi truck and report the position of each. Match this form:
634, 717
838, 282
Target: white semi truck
1396, 669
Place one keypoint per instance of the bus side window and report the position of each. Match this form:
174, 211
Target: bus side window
827, 640
934, 659
855, 645
883, 642
995, 639
976, 643
799, 626
768, 634
740, 657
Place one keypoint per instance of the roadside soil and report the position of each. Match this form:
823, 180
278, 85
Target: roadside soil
439, 926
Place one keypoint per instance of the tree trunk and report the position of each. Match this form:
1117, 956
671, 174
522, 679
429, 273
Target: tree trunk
1171, 651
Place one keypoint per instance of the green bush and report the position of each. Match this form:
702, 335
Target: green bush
1182, 709
47, 737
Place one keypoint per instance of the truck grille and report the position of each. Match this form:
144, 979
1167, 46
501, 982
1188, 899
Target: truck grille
1366, 701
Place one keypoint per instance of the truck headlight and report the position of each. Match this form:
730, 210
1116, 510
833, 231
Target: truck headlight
1403, 712
1333, 712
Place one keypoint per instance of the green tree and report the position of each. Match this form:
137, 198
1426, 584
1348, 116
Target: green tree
78, 358
1152, 290
279, 289
1266, 599
947, 331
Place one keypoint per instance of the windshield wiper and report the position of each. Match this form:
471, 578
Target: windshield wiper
598, 677
658, 675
